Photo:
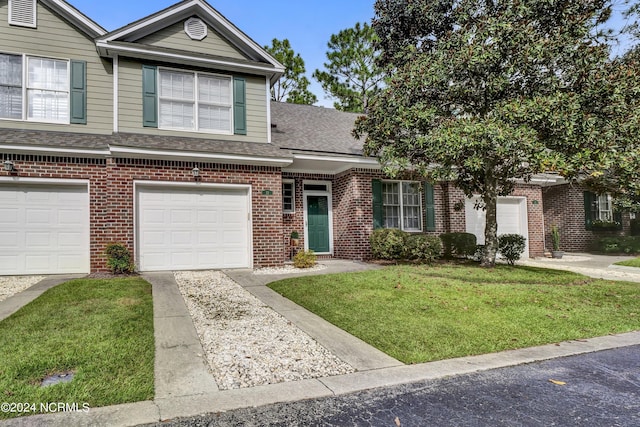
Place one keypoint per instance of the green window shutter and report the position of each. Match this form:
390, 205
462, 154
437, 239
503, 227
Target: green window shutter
617, 217
239, 106
78, 94
589, 198
430, 207
149, 96
378, 216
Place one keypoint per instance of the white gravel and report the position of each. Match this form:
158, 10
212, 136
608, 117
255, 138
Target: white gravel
247, 343
11, 285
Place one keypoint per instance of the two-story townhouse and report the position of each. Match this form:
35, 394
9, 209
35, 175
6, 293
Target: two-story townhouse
161, 135
156, 135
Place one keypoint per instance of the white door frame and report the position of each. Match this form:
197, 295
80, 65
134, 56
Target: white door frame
191, 186
328, 194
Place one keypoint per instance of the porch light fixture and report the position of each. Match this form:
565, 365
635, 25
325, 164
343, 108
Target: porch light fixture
196, 172
9, 166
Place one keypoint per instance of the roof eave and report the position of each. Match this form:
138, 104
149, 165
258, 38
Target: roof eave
77, 18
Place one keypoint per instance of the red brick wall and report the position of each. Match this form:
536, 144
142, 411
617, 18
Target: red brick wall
535, 217
112, 198
564, 207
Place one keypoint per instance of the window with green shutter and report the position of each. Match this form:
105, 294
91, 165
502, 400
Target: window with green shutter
239, 106
149, 96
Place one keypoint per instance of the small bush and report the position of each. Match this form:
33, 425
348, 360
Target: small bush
511, 246
119, 259
423, 248
635, 227
388, 243
305, 259
458, 244
477, 255
617, 244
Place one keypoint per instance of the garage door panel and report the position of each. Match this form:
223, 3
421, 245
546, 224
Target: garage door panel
199, 227
48, 230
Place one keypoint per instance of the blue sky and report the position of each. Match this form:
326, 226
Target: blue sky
308, 24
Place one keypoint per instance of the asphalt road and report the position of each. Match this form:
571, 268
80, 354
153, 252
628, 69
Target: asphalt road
600, 389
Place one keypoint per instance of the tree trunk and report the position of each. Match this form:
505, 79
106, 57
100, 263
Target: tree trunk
491, 227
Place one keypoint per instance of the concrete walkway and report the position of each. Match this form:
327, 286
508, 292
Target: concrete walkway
184, 387
598, 266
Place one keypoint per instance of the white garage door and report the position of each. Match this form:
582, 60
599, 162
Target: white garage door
182, 228
511, 215
44, 229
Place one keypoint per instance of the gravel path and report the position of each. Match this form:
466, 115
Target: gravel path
247, 343
11, 285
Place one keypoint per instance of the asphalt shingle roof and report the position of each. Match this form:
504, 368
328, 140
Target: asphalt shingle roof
152, 142
316, 129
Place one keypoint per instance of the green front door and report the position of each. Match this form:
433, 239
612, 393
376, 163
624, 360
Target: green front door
318, 223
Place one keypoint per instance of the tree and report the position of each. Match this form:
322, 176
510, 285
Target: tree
352, 75
293, 85
485, 93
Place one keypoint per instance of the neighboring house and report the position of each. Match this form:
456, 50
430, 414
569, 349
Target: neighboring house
161, 135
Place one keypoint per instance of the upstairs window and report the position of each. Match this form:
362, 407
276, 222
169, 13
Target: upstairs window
39, 89
195, 102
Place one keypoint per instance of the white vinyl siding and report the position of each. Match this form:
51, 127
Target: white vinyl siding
41, 95
195, 102
402, 205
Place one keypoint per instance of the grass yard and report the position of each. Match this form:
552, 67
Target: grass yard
420, 313
102, 330
630, 263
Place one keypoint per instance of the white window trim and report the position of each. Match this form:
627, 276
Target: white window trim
401, 201
604, 214
196, 102
25, 84
293, 196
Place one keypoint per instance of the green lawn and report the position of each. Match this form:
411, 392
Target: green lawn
421, 313
100, 329
630, 262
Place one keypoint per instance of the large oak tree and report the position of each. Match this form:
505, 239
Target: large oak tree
488, 92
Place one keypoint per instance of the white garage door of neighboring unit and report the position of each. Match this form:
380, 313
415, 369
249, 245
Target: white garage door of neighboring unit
44, 229
511, 215
192, 228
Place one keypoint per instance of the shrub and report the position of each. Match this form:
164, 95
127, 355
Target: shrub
388, 243
511, 246
119, 259
304, 259
617, 244
477, 255
423, 248
635, 227
458, 244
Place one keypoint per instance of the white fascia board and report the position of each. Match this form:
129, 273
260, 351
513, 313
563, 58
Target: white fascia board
130, 152
214, 16
76, 17
108, 50
51, 151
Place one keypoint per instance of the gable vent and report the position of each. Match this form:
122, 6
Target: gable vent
195, 28
22, 13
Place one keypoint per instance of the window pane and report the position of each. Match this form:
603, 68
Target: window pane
287, 196
48, 105
176, 115
214, 90
11, 70
390, 193
176, 85
48, 74
391, 217
411, 218
410, 194
214, 118
10, 102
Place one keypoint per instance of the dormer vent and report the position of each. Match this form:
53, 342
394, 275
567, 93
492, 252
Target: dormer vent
195, 28
22, 13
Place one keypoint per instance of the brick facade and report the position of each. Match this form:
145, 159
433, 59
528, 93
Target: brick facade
564, 207
112, 198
